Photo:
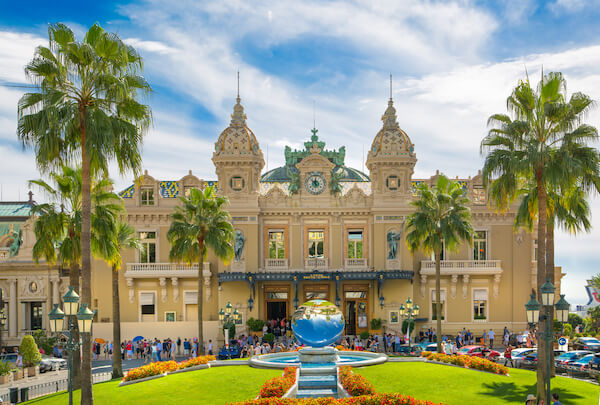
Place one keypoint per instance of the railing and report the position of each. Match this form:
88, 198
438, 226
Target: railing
276, 264
149, 270
463, 264
316, 263
355, 263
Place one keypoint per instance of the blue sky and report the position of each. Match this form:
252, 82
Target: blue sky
454, 63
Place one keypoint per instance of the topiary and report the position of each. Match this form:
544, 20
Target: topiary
30, 352
255, 325
268, 337
376, 323
364, 335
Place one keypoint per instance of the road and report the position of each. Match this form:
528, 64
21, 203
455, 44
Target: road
105, 365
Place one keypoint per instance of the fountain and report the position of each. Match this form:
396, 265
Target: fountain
317, 324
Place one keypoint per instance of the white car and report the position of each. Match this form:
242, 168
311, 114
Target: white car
517, 355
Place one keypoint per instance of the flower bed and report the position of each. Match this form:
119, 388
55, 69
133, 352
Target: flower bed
162, 367
375, 399
278, 386
355, 384
475, 363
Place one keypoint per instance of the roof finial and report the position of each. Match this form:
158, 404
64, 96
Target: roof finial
238, 85
390, 86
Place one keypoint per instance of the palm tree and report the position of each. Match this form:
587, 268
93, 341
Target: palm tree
200, 222
58, 224
544, 142
86, 108
442, 218
120, 236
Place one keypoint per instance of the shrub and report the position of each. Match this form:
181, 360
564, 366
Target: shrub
29, 351
475, 363
376, 399
5, 368
43, 341
278, 386
568, 331
364, 335
355, 384
255, 325
268, 337
376, 323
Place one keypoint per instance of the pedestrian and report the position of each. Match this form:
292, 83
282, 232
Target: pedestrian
555, 400
178, 346
173, 350
491, 337
19, 361
397, 343
154, 352
530, 400
210, 347
508, 356
159, 348
186, 347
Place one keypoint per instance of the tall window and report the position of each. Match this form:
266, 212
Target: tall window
316, 240
480, 245
147, 194
147, 306
434, 306
276, 245
480, 304
36, 315
444, 256
535, 250
148, 247
355, 244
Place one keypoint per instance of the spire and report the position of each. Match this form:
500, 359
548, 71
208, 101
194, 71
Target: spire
389, 117
238, 118
390, 86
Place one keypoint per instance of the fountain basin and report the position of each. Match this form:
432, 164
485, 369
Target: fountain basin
342, 358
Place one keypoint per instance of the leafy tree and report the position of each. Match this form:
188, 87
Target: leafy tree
442, 217
575, 320
30, 352
592, 324
201, 221
545, 143
86, 109
43, 341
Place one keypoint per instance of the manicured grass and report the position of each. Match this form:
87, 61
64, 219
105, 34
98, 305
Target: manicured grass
214, 386
457, 386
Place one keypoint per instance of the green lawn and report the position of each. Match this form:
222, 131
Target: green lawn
214, 386
453, 385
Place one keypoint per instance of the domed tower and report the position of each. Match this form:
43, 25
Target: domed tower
238, 159
391, 159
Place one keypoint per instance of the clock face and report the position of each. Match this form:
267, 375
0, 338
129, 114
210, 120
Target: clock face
315, 183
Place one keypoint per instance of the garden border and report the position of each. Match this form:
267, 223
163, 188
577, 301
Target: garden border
464, 368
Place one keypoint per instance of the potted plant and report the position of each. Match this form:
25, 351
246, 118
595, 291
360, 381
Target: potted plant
4, 372
31, 354
375, 326
255, 326
17, 373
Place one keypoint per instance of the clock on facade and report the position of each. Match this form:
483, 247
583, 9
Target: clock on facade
315, 183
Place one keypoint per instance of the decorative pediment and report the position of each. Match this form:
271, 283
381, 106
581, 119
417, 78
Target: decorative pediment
314, 162
355, 196
191, 180
275, 196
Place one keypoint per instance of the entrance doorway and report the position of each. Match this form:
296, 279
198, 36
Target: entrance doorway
276, 310
356, 309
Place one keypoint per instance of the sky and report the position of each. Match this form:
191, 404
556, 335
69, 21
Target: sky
453, 64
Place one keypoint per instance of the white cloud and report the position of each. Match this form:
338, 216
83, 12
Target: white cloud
150, 46
571, 6
16, 50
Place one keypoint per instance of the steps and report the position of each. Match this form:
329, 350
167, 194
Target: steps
317, 381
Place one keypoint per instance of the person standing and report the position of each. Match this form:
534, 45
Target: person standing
178, 346
186, 347
555, 400
159, 348
484, 338
491, 337
210, 347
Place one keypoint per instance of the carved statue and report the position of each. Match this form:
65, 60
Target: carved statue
240, 240
294, 182
335, 185
392, 241
16, 243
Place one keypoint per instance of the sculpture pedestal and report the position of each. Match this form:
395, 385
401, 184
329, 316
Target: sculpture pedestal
318, 355
392, 264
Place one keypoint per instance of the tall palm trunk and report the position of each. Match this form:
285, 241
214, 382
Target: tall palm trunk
74, 282
541, 273
550, 275
438, 303
86, 262
200, 265
117, 371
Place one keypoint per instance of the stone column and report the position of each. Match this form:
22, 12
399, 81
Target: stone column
12, 309
55, 294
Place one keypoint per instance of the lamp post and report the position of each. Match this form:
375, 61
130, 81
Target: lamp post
85, 319
227, 317
532, 309
409, 312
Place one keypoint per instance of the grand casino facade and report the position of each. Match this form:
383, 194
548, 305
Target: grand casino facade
313, 228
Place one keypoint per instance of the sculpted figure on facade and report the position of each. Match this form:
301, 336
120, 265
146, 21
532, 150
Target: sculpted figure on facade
240, 241
392, 241
16, 243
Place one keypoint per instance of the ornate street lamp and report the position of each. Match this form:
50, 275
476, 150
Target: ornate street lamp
532, 309
409, 312
227, 317
84, 317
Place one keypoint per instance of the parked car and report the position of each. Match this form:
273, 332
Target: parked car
478, 351
516, 355
594, 369
561, 362
580, 366
530, 361
413, 350
50, 363
586, 343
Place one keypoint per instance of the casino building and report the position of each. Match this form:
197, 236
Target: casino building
313, 228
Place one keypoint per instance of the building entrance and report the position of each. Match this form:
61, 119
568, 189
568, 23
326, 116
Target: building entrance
276, 310
355, 309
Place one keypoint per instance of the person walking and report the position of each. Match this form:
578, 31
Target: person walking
491, 337
154, 352
508, 356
